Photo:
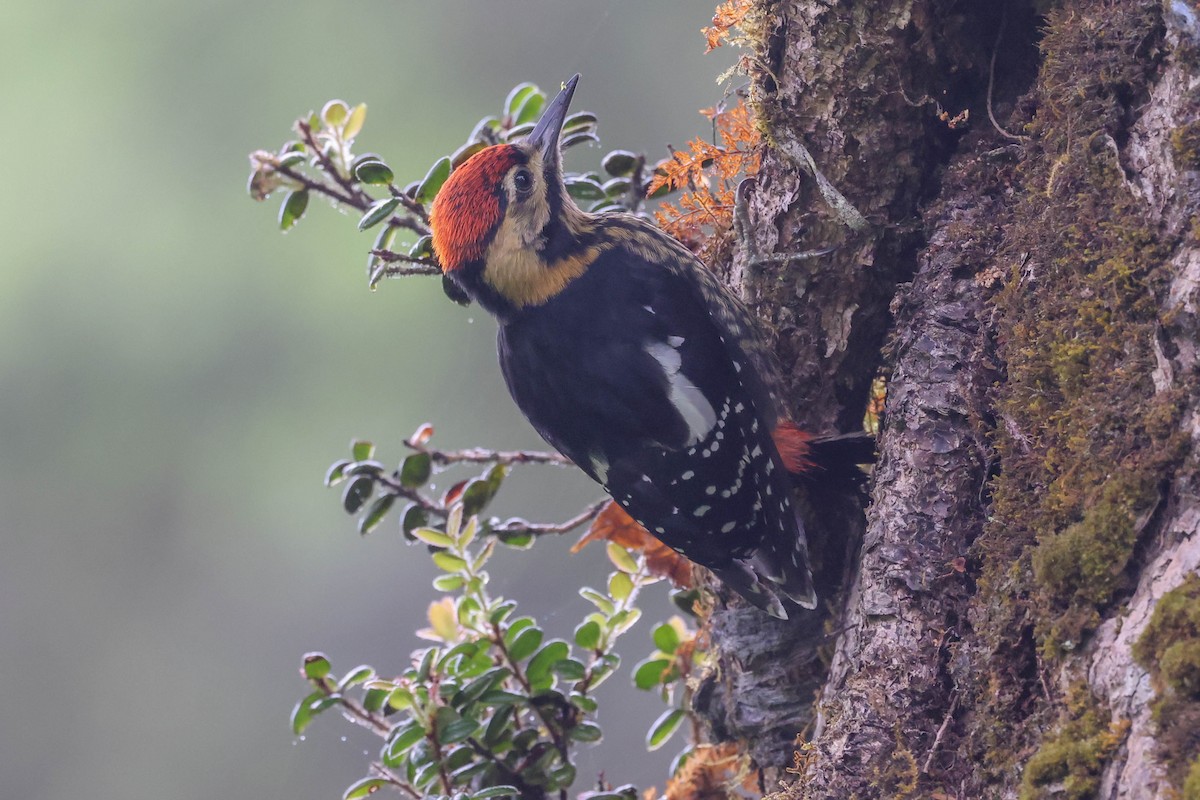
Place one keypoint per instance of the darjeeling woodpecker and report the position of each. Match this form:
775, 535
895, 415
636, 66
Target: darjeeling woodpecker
629, 357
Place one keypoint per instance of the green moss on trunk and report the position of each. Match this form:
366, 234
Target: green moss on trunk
1169, 649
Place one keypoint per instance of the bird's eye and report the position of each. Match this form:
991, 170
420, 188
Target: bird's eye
523, 181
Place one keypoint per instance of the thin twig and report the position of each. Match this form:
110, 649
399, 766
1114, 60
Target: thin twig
517, 525
480, 455
937, 740
394, 779
841, 207
992, 81
411, 205
395, 272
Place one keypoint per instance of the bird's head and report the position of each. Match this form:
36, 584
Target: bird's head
503, 225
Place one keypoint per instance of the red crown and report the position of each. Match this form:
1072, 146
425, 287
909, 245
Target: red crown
467, 209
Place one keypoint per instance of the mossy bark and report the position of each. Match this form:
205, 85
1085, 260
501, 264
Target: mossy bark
1030, 284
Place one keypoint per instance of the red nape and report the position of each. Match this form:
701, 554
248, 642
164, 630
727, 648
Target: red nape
794, 447
467, 207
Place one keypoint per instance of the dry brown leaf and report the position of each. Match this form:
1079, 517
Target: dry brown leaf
613, 525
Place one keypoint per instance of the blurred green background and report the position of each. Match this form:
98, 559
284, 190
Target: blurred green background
175, 375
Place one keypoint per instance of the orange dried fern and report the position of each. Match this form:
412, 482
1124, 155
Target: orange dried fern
709, 172
728, 15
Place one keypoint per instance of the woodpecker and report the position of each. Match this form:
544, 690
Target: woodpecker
631, 358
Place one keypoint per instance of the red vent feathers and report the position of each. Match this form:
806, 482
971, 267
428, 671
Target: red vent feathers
467, 209
794, 448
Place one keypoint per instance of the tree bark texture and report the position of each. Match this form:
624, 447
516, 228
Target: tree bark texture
1029, 284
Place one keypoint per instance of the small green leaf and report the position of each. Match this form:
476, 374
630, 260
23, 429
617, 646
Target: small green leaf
364, 787
433, 180
570, 140
462, 154
621, 558
290, 159
415, 470
587, 732
525, 643
448, 583
597, 599
624, 620
354, 123
357, 492
400, 698
379, 509
518, 540
378, 212
484, 683
422, 248
426, 664
530, 109
501, 697
475, 497
448, 562
309, 707
617, 188
373, 468
585, 189
356, 676
666, 638
362, 450
432, 536
485, 553
583, 702
620, 586
293, 208
373, 171
518, 132
649, 672
402, 740
604, 667
501, 611
569, 669
485, 130
562, 776
517, 96
620, 163
458, 730
578, 121
587, 634
496, 791
374, 700
334, 113
411, 518
552, 652
497, 728
463, 775
663, 727
316, 666
337, 472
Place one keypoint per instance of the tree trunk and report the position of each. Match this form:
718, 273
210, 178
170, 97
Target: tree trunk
1029, 284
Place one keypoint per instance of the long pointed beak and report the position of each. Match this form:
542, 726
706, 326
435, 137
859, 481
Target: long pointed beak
545, 135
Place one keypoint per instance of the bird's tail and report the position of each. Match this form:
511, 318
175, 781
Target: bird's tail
824, 459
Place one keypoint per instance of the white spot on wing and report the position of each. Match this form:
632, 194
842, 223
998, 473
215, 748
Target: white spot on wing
728, 526
675, 341
600, 467
702, 510
689, 401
